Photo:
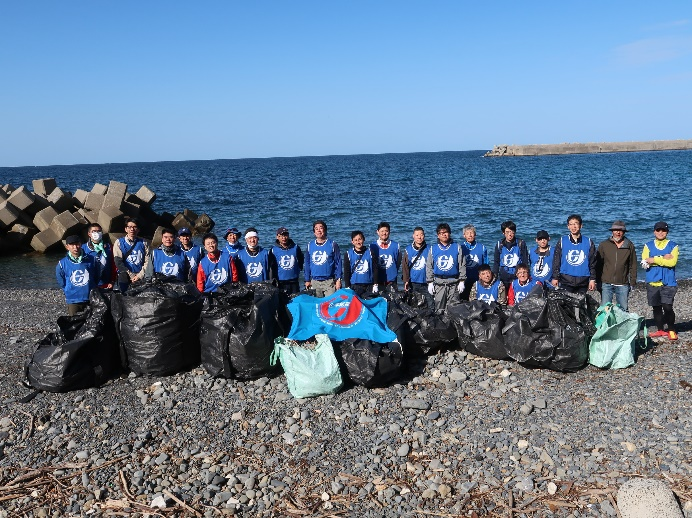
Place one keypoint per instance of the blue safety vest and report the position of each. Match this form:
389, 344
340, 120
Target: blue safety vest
445, 260
575, 257
542, 265
489, 294
323, 261
388, 261
287, 262
417, 269
216, 274
104, 259
520, 292
77, 279
175, 265
253, 268
362, 265
476, 254
663, 274
135, 259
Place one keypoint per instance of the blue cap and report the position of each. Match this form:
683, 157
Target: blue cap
184, 232
231, 230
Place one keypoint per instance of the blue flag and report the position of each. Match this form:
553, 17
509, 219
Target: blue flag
341, 315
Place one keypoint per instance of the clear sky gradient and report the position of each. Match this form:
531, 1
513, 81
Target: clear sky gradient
98, 81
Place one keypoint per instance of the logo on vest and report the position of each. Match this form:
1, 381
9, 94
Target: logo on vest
486, 297
472, 261
102, 259
169, 268
254, 269
319, 257
218, 276
419, 264
541, 269
341, 310
519, 296
386, 261
362, 267
79, 278
445, 263
575, 257
135, 257
287, 262
510, 260
193, 262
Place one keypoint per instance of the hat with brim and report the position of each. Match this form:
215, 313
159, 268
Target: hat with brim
542, 234
618, 225
184, 232
231, 230
661, 225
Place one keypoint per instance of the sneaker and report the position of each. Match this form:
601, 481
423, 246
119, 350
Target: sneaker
658, 334
672, 335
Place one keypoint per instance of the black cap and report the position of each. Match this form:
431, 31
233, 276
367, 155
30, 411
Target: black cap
73, 240
231, 230
661, 225
184, 232
542, 234
281, 230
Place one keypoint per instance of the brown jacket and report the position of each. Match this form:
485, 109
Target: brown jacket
616, 265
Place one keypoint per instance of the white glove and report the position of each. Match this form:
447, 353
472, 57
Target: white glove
375, 288
431, 288
460, 287
645, 265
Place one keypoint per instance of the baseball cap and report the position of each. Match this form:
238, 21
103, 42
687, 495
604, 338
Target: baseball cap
281, 230
184, 232
231, 230
542, 234
661, 225
73, 240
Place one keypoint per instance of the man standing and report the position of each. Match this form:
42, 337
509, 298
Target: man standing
289, 261
102, 253
542, 259
216, 268
77, 273
413, 260
232, 237
574, 262
389, 257
616, 266
168, 259
476, 254
131, 255
445, 269
509, 252
193, 252
323, 262
255, 264
660, 257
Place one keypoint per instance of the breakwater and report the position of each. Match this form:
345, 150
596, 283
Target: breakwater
588, 148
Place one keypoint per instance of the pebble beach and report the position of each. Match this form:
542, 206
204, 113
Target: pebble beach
460, 435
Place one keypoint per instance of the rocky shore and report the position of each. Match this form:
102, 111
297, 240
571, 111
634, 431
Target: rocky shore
460, 436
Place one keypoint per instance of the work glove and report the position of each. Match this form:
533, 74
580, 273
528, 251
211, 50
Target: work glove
460, 287
431, 288
375, 288
645, 265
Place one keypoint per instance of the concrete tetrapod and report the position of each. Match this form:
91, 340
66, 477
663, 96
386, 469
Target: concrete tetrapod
647, 498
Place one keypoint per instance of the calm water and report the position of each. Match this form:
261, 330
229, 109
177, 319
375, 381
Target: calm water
358, 191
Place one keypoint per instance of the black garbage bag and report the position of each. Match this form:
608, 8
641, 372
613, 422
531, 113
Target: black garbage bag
239, 325
83, 353
551, 330
158, 325
479, 327
369, 363
420, 330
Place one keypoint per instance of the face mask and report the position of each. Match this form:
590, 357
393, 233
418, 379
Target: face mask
96, 236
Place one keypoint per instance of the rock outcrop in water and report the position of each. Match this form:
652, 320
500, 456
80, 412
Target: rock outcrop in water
42, 218
593, 147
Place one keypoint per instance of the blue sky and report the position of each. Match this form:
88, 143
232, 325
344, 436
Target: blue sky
98, 81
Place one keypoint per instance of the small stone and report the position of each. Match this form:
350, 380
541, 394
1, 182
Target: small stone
403, 450
552, 488
444, 490
417, 404
540, 403
641, 497
526, 409
522, 443
629, 446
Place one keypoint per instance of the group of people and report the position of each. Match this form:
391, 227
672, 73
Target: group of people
445, 273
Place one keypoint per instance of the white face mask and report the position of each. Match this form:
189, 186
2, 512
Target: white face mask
96, 236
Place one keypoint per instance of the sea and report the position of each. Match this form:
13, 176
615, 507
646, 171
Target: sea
356, 192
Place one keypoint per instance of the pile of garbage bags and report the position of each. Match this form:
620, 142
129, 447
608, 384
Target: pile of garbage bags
163, 327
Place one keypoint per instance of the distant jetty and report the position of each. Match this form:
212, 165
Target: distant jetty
585, 148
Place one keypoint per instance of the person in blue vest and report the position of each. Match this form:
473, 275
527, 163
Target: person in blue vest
168, 260
102, 253
476, 254
131, 255
255, 264
361, 265
389, 257
233, 244
445, 269
414, 258
509, 252
574, 260
77, 274
659, 257
193, 252
216, 268
521, 286
541, 259
322, 262
487, 288
289, 261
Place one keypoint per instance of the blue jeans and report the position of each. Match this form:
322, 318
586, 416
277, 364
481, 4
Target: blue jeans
621, 293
